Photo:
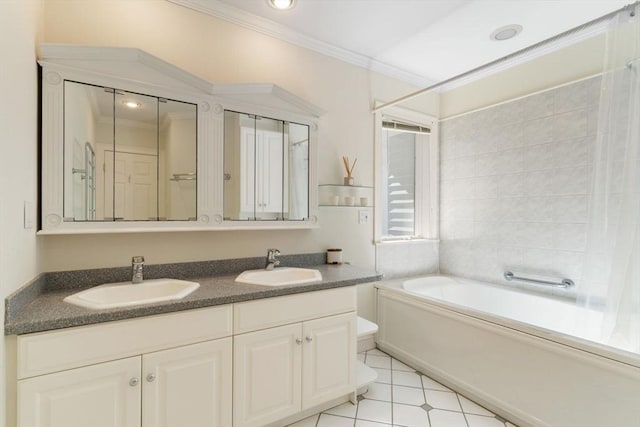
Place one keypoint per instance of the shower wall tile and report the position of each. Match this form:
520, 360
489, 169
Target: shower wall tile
538, 131
571, 97
538, 157
570, 125
570, 180
515, 180
572, 152
486, 187
407, 258
569, 208
538, 105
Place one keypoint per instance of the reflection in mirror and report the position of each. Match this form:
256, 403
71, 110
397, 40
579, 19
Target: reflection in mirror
132, 166
128, 156
178, 144
88, 124
297, 143
266, 168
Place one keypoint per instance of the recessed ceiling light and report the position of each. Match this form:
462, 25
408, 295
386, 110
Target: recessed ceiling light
132, 104
505, 33
282, 4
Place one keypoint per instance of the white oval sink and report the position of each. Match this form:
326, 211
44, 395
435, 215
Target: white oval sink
124, 294
279, 276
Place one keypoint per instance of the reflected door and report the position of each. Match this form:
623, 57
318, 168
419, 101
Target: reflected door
134, 178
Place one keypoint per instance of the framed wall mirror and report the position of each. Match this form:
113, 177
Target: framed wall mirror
266, 168
128, 156
131, 143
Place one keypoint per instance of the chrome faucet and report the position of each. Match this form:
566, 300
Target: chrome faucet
272, 261
137, 262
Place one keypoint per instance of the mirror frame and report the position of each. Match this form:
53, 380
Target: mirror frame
133, 70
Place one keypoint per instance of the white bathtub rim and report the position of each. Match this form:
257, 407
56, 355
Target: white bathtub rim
598, 349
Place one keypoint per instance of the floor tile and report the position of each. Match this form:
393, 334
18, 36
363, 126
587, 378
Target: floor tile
442, 400
480, 421
399, 366
413, 416
377, 352
379, 391
416, 399
433, 384
409, 379
441, 418
384, 375
408, 395
344, 410
365, 423
470, 407
327, 420
374, 410
307, 422
378, 361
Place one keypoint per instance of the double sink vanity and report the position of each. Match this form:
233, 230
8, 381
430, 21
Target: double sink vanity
227, 354
133, 144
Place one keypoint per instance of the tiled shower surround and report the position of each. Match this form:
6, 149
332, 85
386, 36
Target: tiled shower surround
515, 184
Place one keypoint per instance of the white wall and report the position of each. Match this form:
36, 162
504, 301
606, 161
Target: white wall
571, 63
20, 29
223, 52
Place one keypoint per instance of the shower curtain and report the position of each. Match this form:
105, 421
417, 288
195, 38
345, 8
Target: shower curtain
611, 274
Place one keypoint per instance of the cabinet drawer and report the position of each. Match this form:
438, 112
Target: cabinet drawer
267, 313
46, 352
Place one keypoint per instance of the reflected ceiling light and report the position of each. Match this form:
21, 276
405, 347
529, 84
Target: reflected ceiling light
132, 104
505, 33
282, 4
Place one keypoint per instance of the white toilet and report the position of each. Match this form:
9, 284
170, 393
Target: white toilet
366, 341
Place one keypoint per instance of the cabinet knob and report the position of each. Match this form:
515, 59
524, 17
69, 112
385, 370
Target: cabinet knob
298, 341
134, 382
309, 339
151, 378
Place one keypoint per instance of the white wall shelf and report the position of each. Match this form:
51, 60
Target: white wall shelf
327, 194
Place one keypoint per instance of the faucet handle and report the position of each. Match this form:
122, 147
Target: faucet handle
273, 252
137, 260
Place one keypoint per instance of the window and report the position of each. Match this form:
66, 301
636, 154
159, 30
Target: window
406, 175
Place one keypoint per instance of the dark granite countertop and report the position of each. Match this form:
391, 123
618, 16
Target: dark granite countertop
45, 310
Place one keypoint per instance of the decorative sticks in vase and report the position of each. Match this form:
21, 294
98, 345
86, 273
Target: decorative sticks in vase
348, 166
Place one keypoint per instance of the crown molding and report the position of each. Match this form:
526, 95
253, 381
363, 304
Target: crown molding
262, 25
87, 57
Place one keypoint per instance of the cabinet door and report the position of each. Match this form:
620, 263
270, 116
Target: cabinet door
328, 359
188, 386
266, 375
103, 395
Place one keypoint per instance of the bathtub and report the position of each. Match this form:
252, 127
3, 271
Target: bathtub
524, 356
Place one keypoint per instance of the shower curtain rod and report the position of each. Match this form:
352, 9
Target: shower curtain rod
603, 18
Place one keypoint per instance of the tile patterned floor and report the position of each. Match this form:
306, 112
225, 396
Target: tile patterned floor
403, 397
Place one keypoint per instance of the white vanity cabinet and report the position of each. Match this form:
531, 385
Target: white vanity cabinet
283, 370
186, 385
99, 396
253, 363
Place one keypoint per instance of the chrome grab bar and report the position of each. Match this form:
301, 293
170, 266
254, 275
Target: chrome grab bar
564, 283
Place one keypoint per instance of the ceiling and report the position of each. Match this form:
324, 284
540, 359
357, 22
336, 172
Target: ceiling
419, 41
